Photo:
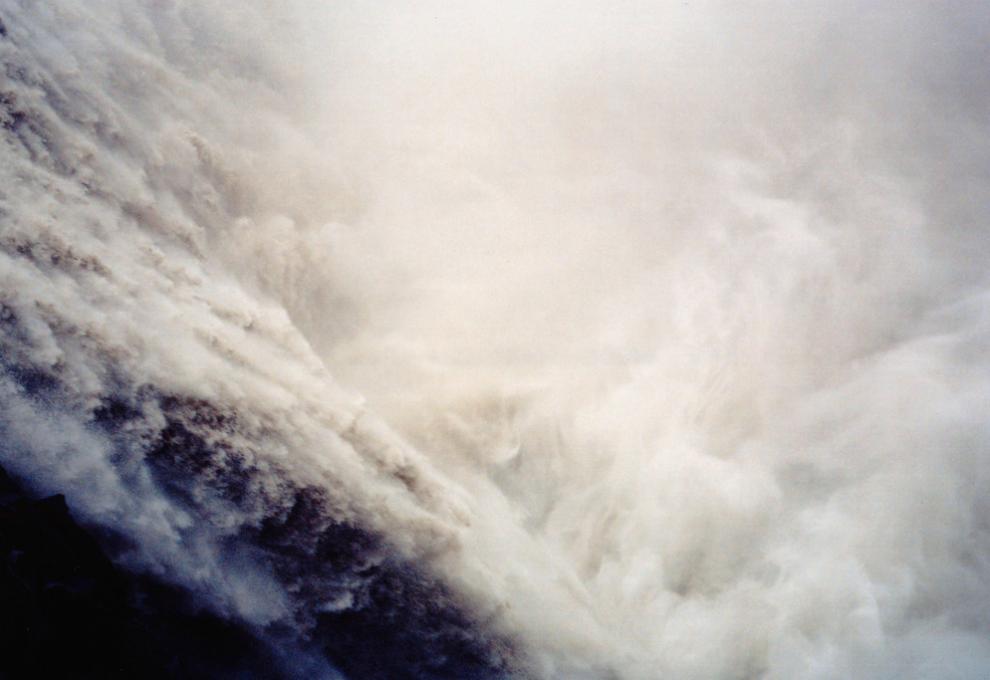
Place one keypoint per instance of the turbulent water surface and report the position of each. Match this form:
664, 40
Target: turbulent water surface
591, 340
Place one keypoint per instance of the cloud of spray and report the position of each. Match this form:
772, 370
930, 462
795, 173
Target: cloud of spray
679, 311
677, 281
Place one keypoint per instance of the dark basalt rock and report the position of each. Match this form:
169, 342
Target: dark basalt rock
67, 612
395, 622
355, 603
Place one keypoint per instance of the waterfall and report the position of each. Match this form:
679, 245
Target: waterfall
597, 341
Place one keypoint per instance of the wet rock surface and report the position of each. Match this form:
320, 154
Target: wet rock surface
67, 612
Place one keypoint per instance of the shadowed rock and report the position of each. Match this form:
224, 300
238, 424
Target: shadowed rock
67, 612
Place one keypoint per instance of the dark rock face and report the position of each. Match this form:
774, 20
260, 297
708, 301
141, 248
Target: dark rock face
67, 612
387, 619
354, 602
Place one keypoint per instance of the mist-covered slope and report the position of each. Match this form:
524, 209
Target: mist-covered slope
263, 493
590, 340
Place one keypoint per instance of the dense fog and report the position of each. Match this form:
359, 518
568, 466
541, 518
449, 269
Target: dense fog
656, 336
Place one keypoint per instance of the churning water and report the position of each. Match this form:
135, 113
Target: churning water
551, 340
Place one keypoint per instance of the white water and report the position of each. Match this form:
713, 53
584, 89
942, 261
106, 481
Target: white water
676, 316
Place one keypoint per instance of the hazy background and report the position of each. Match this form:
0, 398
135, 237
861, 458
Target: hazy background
680, 309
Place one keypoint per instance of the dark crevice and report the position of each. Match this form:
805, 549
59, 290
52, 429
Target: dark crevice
67, 612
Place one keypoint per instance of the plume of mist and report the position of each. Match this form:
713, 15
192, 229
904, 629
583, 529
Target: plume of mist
670, 319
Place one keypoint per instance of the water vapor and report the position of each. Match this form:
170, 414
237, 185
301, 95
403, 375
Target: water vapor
557, 340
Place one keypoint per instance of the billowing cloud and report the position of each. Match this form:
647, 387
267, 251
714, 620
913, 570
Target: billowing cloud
630, 340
